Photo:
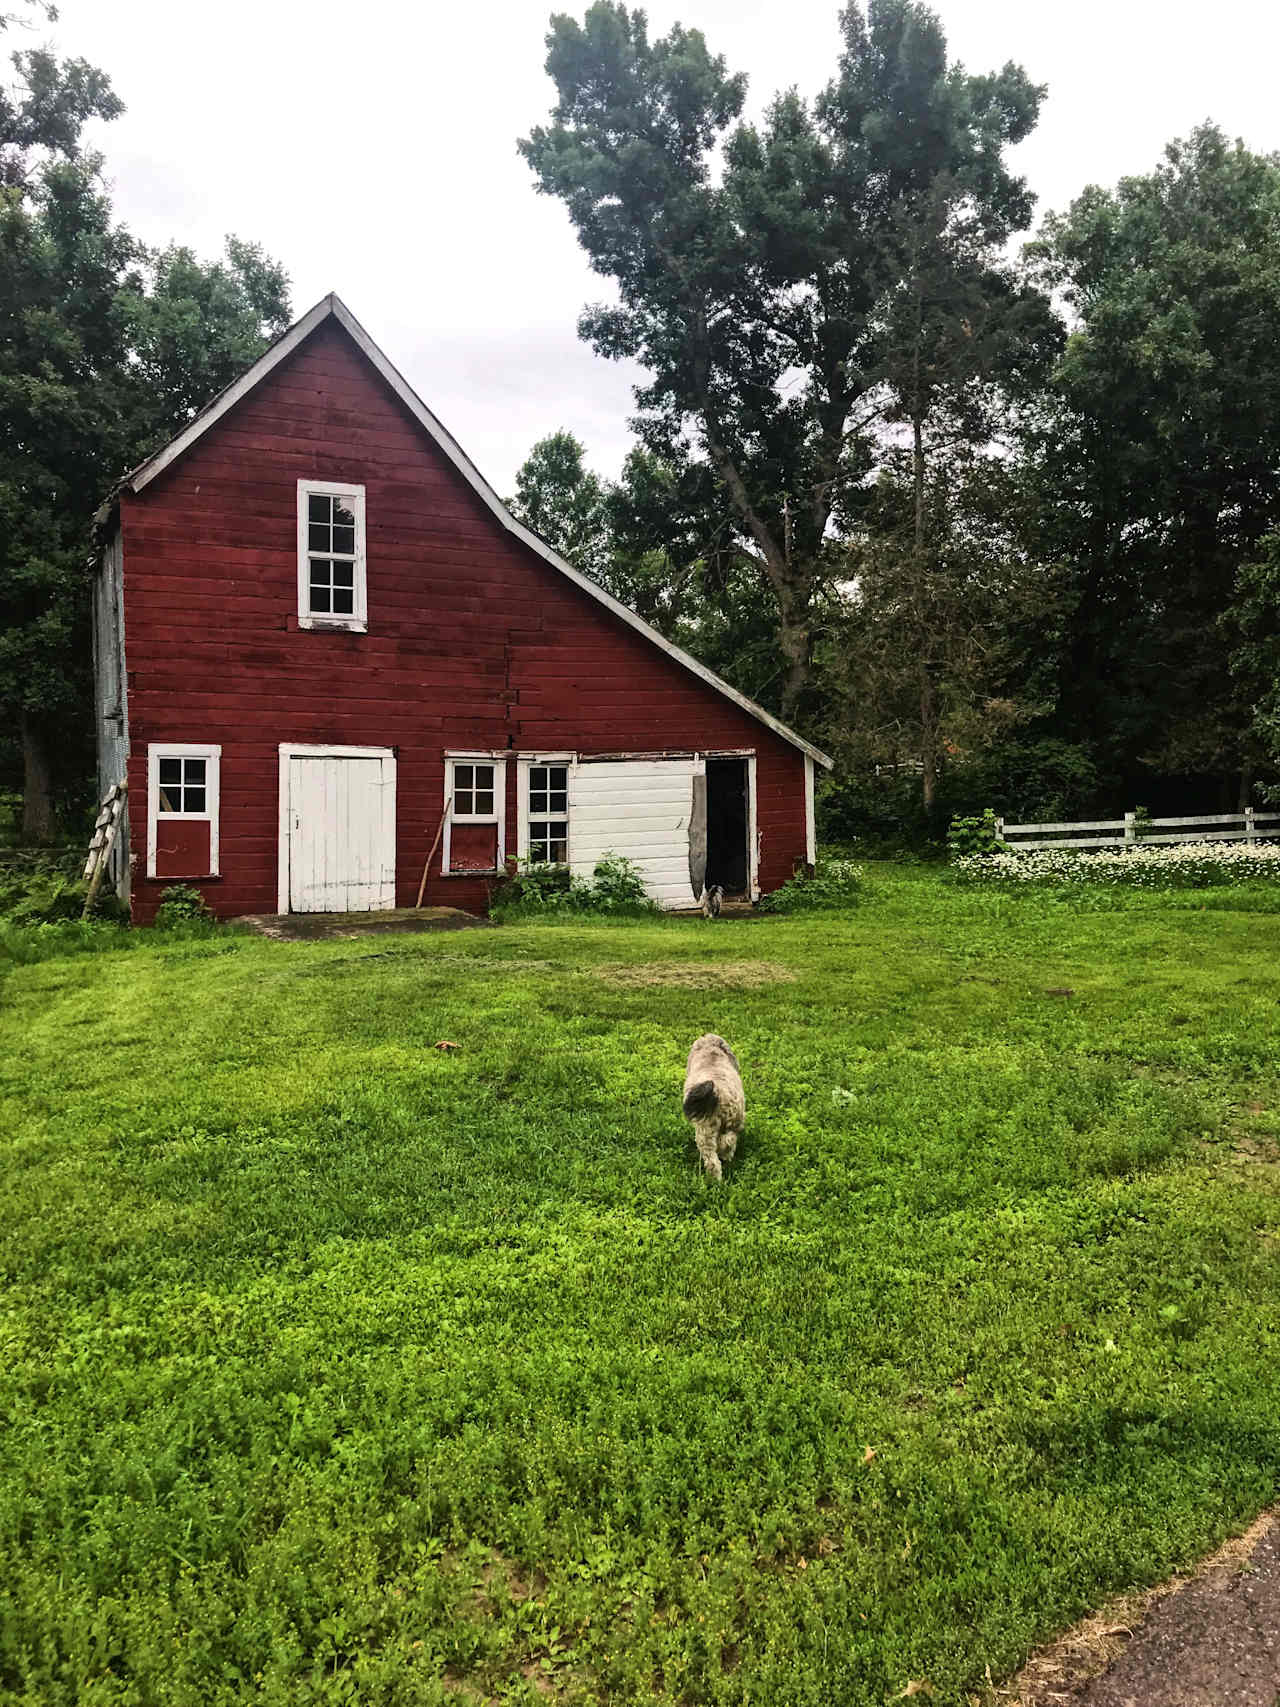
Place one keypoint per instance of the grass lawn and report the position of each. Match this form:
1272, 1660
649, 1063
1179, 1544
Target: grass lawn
336, 1368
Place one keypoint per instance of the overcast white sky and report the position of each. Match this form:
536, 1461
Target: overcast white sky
371, 149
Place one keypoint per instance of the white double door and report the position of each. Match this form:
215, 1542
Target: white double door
340, 829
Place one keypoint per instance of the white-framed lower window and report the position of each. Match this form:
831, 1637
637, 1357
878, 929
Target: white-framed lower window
548, 814
332, 590
183, 795
543, 811
475, 798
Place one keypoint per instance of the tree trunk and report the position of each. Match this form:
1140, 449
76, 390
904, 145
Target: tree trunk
928, 741
928, 691
37, 786
792, 581
795, 641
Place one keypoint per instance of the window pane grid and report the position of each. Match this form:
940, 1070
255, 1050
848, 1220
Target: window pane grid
549, 814
331, 554
181, 785
549, 841
473, 791
548, 790
332, 587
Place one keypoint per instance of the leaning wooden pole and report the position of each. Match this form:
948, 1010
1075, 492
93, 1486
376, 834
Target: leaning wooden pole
444, 819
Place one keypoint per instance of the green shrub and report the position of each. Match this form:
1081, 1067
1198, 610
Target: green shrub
533, 888
1023, 780
45, 898
616, 887
836, 883
973, 836
47, 888
882, 814
182, 904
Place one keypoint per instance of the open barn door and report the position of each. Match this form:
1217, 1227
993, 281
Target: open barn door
728, 826
642, 809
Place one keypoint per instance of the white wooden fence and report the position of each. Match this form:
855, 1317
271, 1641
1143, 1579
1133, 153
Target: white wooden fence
1127, 832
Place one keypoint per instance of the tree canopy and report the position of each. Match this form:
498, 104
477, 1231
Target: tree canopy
756, 265
998, 528
1157, 447
974, 503
560, 499
106, 348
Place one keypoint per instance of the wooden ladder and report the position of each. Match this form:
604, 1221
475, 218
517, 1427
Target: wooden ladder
104, 835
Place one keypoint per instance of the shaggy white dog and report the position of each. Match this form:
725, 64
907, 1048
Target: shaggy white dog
714, 1101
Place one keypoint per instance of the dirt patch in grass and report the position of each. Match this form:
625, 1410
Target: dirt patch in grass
325, 927
681, 975
499, 1587
1246, 1148
466, 1694
493, 1579
1248, 1155
1069, 1669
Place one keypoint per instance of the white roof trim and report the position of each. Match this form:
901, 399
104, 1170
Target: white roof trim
333, 307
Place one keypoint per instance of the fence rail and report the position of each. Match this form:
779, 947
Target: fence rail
1247, 826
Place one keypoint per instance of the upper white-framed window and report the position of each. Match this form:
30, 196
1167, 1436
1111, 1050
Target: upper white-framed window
331, 555
475, 793
183, 786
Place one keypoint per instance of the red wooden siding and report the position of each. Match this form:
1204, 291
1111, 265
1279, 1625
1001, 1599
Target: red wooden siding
474, 642
473, 847
182, 848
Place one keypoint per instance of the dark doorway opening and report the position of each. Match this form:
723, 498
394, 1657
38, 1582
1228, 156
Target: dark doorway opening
727, 862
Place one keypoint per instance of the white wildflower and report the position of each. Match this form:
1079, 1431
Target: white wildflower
1181, 865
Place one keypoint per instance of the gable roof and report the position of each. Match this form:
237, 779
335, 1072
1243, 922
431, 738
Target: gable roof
332, 307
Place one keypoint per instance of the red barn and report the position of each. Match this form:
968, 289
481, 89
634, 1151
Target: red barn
320, 638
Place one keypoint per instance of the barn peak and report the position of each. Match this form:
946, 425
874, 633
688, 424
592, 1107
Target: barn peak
331, 308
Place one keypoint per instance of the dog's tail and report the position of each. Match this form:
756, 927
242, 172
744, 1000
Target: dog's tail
701, 1099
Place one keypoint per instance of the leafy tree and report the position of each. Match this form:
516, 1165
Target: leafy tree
671, 560
963, 337
754, 295
62, 320
195, 326
963, 611
43, 112
559, 497
1158, 456
1252, 622
105, 349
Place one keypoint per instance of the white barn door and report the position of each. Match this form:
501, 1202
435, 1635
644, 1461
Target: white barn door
339, 830
640, 808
